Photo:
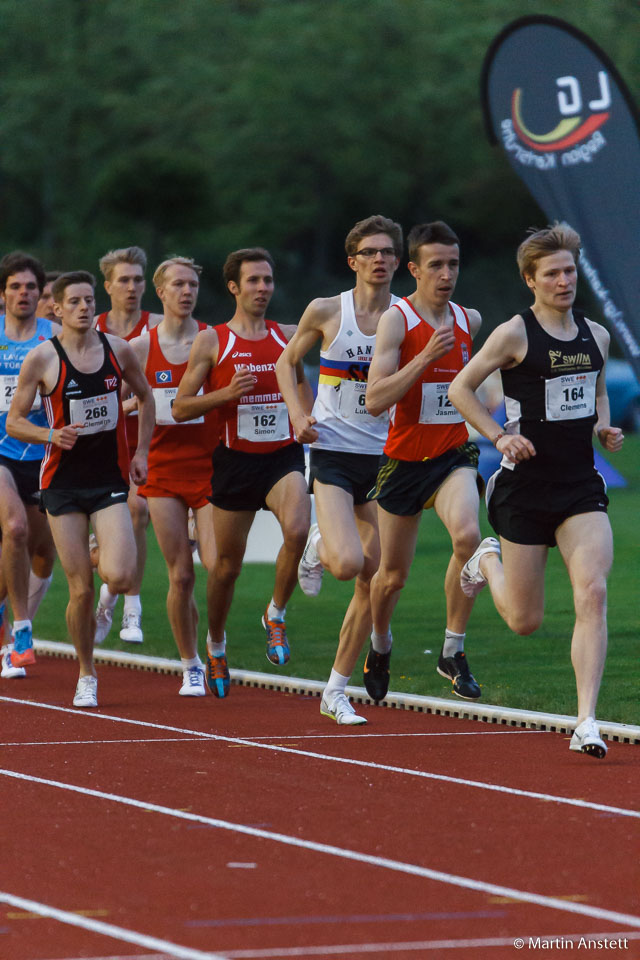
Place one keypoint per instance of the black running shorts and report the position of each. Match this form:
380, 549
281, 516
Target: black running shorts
405, 487
242, 481
354, 472
529, 511
26, 475
84, 500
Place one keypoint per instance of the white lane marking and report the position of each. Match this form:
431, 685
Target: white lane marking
367, 764
384, 736
67, 743
398, 866
108, 929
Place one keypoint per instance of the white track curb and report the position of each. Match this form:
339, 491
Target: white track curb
505, 716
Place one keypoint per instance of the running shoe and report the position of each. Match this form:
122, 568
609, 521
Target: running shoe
277, 644
131, 630
104, 619
86, 692
456, 669
376, 674
310, 569
339, 708
218, 677
22, 654
193, 683
586, 739
471, 579
9, 672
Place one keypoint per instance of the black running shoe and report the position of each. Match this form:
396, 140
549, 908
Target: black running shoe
376, 674
457, 670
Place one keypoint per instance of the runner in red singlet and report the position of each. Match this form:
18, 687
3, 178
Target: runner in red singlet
258, 464
123, 272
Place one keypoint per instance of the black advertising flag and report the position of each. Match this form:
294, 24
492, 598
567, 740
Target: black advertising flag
571, 131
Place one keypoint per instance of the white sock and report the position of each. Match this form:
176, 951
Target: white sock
337, 684
37, 591
381, 643
107, 599
453, 643
216, 649
132, 604
275, 613
190, 664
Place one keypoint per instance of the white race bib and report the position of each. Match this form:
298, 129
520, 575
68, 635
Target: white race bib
8, 384
571, 396
436, 406
263, 422
351, 402
164, 397
98, 414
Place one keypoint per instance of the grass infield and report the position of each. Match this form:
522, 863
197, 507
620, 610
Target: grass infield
531, 673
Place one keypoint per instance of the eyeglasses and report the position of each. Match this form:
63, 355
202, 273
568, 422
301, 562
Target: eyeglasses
370, 252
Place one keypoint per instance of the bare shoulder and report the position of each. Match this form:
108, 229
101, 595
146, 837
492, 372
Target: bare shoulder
140, 346
475, 320
154, 320
39, 358
600, 334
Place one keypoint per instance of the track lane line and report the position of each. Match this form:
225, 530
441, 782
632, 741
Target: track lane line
367, 764
343, 853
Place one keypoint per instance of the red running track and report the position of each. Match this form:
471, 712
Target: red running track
255, 828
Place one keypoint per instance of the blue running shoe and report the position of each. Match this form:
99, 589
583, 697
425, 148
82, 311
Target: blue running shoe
218, 677
22, 654
277, 644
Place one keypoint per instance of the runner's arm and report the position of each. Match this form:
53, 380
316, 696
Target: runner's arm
140, 346
132, 373
610, 437
31, 378
203, 358
295, 389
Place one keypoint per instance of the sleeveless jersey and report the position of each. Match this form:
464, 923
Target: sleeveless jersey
12, 353
258, 422
176, 448
99, 456
551, 398
424, 424
343, 422
142, 326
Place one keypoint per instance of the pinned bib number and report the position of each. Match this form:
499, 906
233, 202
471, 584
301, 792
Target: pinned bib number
164, 397
98, 414
263, 422
351, 403
8, 385
570, 397
436, 406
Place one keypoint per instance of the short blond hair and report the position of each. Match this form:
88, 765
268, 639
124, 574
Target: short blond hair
161, 270
133, 255
541, 243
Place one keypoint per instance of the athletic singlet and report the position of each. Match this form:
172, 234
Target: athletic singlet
12, 353
551, 398
343, 422
258, 422
176, 448
99, 457
142, 326
424, 423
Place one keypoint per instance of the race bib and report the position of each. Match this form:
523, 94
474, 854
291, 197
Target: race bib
570, 397
164, 397
436, 406
263, 422
351, 402
8, 384
98, 414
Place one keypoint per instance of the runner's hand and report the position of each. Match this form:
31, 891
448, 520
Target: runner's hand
242, 382
303, 429
515, 448
611, 438
66, 437
442, 341
138, 469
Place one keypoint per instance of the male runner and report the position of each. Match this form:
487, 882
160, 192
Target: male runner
258, 464
346, 441
26, 538
179, 469
123, 272
547, 491
423, 341
85, 471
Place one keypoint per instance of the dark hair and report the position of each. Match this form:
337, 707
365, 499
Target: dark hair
67, 279
233, 263
372, 225
18, 261
52, 275
436, 232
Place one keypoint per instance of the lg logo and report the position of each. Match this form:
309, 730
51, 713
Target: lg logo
570, 96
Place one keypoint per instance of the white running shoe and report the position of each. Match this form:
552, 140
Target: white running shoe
86, 692
104, 619
131, 630
193, 683
471, 579
310, 569
586, 739
9, 672
339, 708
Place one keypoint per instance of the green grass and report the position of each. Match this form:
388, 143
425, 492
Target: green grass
532, 673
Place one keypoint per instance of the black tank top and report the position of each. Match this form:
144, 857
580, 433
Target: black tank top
99, 457
550, 399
